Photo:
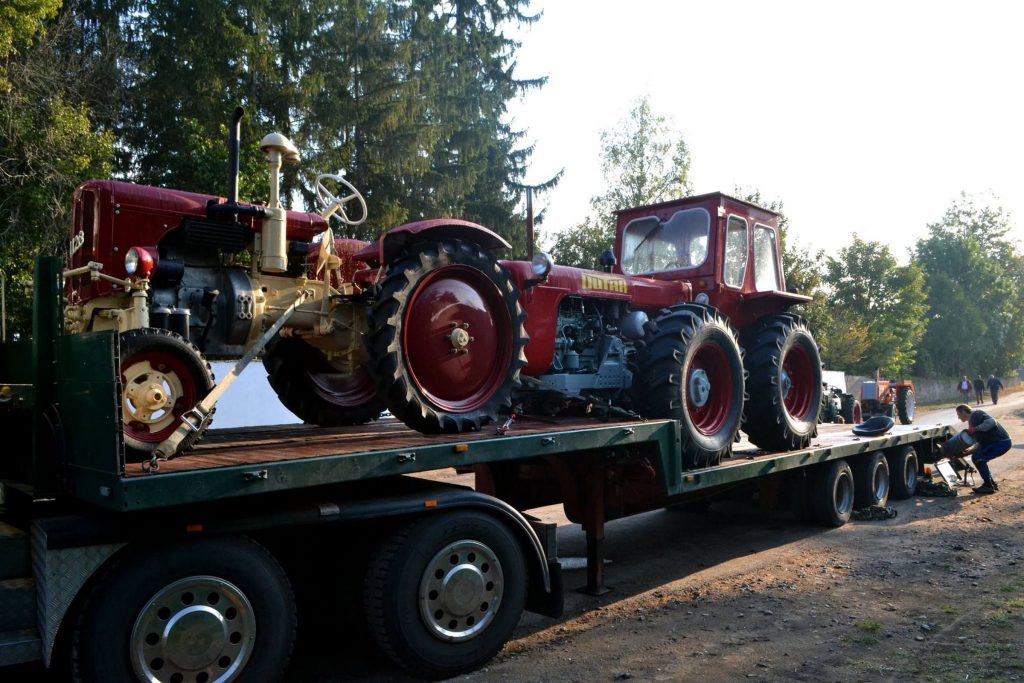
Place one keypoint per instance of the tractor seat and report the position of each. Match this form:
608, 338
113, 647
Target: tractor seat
875, 426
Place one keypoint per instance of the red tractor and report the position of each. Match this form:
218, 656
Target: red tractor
427, 323
889, 397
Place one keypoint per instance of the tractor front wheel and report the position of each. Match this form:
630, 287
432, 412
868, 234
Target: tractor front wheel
162, 376
784, 375
447, 337
691, 370
317, 392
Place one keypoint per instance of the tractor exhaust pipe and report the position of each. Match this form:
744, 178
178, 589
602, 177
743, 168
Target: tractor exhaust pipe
234, 154
529, 223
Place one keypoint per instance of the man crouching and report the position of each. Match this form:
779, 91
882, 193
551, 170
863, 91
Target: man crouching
993, 441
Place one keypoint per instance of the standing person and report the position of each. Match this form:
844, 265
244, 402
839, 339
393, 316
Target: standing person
994, 385
993, 441
979, 390
965, 389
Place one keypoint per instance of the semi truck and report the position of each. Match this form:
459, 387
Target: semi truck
200, 568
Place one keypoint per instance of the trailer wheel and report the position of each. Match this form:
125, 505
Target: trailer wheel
906, 405
209, 610
691, 370
871, 480
832, 494
318, 393
162, 376
447, 337
443, 595
903, 466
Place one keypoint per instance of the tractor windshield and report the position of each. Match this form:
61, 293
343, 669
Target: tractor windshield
650, 245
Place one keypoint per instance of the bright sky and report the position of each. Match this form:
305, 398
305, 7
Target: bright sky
867, 117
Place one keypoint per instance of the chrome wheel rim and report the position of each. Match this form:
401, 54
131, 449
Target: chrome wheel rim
199, 629
461, 590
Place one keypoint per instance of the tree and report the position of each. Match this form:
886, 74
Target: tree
975, 278
874, 292
644, 161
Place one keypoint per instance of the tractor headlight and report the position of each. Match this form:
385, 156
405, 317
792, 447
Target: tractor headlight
542, 264
139, 261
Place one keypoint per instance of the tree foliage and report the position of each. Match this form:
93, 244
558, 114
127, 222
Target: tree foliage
975, 279
644, 161
878, 295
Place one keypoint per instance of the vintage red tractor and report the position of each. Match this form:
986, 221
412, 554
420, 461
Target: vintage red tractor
426, 322
894, 398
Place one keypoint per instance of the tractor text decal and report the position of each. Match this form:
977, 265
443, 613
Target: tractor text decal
605, 283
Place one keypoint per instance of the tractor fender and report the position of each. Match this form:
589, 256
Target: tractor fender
391, 244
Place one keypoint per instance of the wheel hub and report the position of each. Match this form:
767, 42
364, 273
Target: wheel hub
700, 388
460, 338
149, 393
200, 628
787, 384
460, 591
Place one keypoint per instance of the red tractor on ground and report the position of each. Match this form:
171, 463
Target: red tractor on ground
893, 398
426, 322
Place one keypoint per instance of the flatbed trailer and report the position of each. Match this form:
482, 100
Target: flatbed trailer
198, 570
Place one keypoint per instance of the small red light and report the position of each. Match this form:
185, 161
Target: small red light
140, 261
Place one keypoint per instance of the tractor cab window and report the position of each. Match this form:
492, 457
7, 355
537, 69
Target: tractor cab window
735, 251
650, 245
766, 260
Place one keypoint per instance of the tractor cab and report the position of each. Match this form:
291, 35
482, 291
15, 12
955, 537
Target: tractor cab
727, 249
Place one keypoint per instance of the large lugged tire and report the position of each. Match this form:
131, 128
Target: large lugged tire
851, 410
832, 493
906, 405
443, 595
207, 610
784, 383
162, 377
447, 337
691, 370
316, 392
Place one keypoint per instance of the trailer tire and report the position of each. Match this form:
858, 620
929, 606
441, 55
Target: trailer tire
903, 469
691, 370
231, 592
443, 595
784, 383
447, 337
832, 493
315, 392
871, 480
906, 405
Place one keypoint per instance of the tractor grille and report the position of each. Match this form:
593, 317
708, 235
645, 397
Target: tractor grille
230, 238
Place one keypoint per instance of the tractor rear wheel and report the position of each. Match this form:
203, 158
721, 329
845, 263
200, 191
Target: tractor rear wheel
318, 393
906, 405
851, 410
691, 370
784, 378
162, 376
447, 337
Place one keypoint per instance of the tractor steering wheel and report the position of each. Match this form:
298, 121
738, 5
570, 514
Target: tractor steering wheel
335, 203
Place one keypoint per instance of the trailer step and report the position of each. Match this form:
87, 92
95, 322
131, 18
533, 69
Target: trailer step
17, 604
18, 647
15, 558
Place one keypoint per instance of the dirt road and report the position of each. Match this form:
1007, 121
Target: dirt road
936, 594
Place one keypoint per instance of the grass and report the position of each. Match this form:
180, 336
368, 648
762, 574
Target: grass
868, 626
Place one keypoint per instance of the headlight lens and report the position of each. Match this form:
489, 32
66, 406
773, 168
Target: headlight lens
542, 264
139, 261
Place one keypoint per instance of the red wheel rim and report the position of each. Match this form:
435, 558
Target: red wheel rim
798, 382
709, 387
345, 390
457, 338
161, 366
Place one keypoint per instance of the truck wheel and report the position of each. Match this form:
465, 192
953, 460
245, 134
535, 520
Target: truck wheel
871, 480
903, 466
447, 337
784, 383
691, 370
443, 595
208, 610
851, 410
318, 393
906, 405
832, 493
162, 377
